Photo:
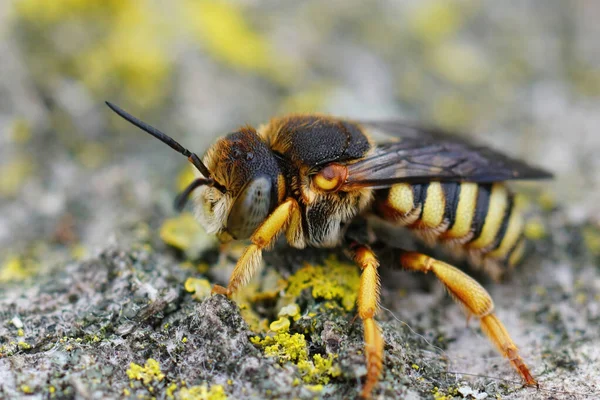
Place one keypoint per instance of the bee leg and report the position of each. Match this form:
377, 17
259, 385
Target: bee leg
368, 305
476, 301
263, 237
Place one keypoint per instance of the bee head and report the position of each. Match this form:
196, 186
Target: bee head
247, 185
239, 181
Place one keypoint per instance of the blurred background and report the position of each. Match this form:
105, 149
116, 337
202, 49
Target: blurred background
523, 77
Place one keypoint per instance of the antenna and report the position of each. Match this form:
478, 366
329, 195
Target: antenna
166, 139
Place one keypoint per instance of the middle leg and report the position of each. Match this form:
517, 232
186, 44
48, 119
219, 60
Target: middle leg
368, 305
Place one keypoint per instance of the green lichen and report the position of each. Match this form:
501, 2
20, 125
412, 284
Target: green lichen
332, 281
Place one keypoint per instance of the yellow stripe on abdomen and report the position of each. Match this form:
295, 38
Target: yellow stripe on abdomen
512, 234
401, 198
435, 204
493, 220
465, 210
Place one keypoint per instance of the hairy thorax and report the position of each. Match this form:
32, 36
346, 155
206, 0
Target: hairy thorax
325, 214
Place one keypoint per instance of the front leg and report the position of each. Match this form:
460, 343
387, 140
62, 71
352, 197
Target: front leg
263, 237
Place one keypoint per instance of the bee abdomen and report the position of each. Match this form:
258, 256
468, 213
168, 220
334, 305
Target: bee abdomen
481, 221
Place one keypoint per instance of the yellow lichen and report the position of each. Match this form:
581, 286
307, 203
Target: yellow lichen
200, 288
12, 270
547, 201
282, 324
185, 177
333, 281
20, 131
433, 21
180, 231
225, 32
308, 100
291, 310
534, 229
78, 252
148, 373
448, 394
23, 345
14, 174
126, 43
322, 369
315, 388
284, 346
20, 332
267, 287
26, 389
293, 348
92, 155
170, 390
452, 110
216, 392
591, 238
458, 63
581, 298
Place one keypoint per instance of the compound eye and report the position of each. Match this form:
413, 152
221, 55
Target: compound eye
331, 178
250, 209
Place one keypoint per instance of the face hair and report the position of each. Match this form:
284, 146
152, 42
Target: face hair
192, 157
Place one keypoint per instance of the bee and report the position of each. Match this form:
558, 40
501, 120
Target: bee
311, 177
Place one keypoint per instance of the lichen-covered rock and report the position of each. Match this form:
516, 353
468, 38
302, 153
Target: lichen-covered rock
124, 324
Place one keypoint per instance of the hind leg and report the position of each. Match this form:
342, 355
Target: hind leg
476, 301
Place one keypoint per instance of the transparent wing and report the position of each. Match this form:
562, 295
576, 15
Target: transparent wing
416, 154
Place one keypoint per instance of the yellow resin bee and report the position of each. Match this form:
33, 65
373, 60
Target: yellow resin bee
311, 177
